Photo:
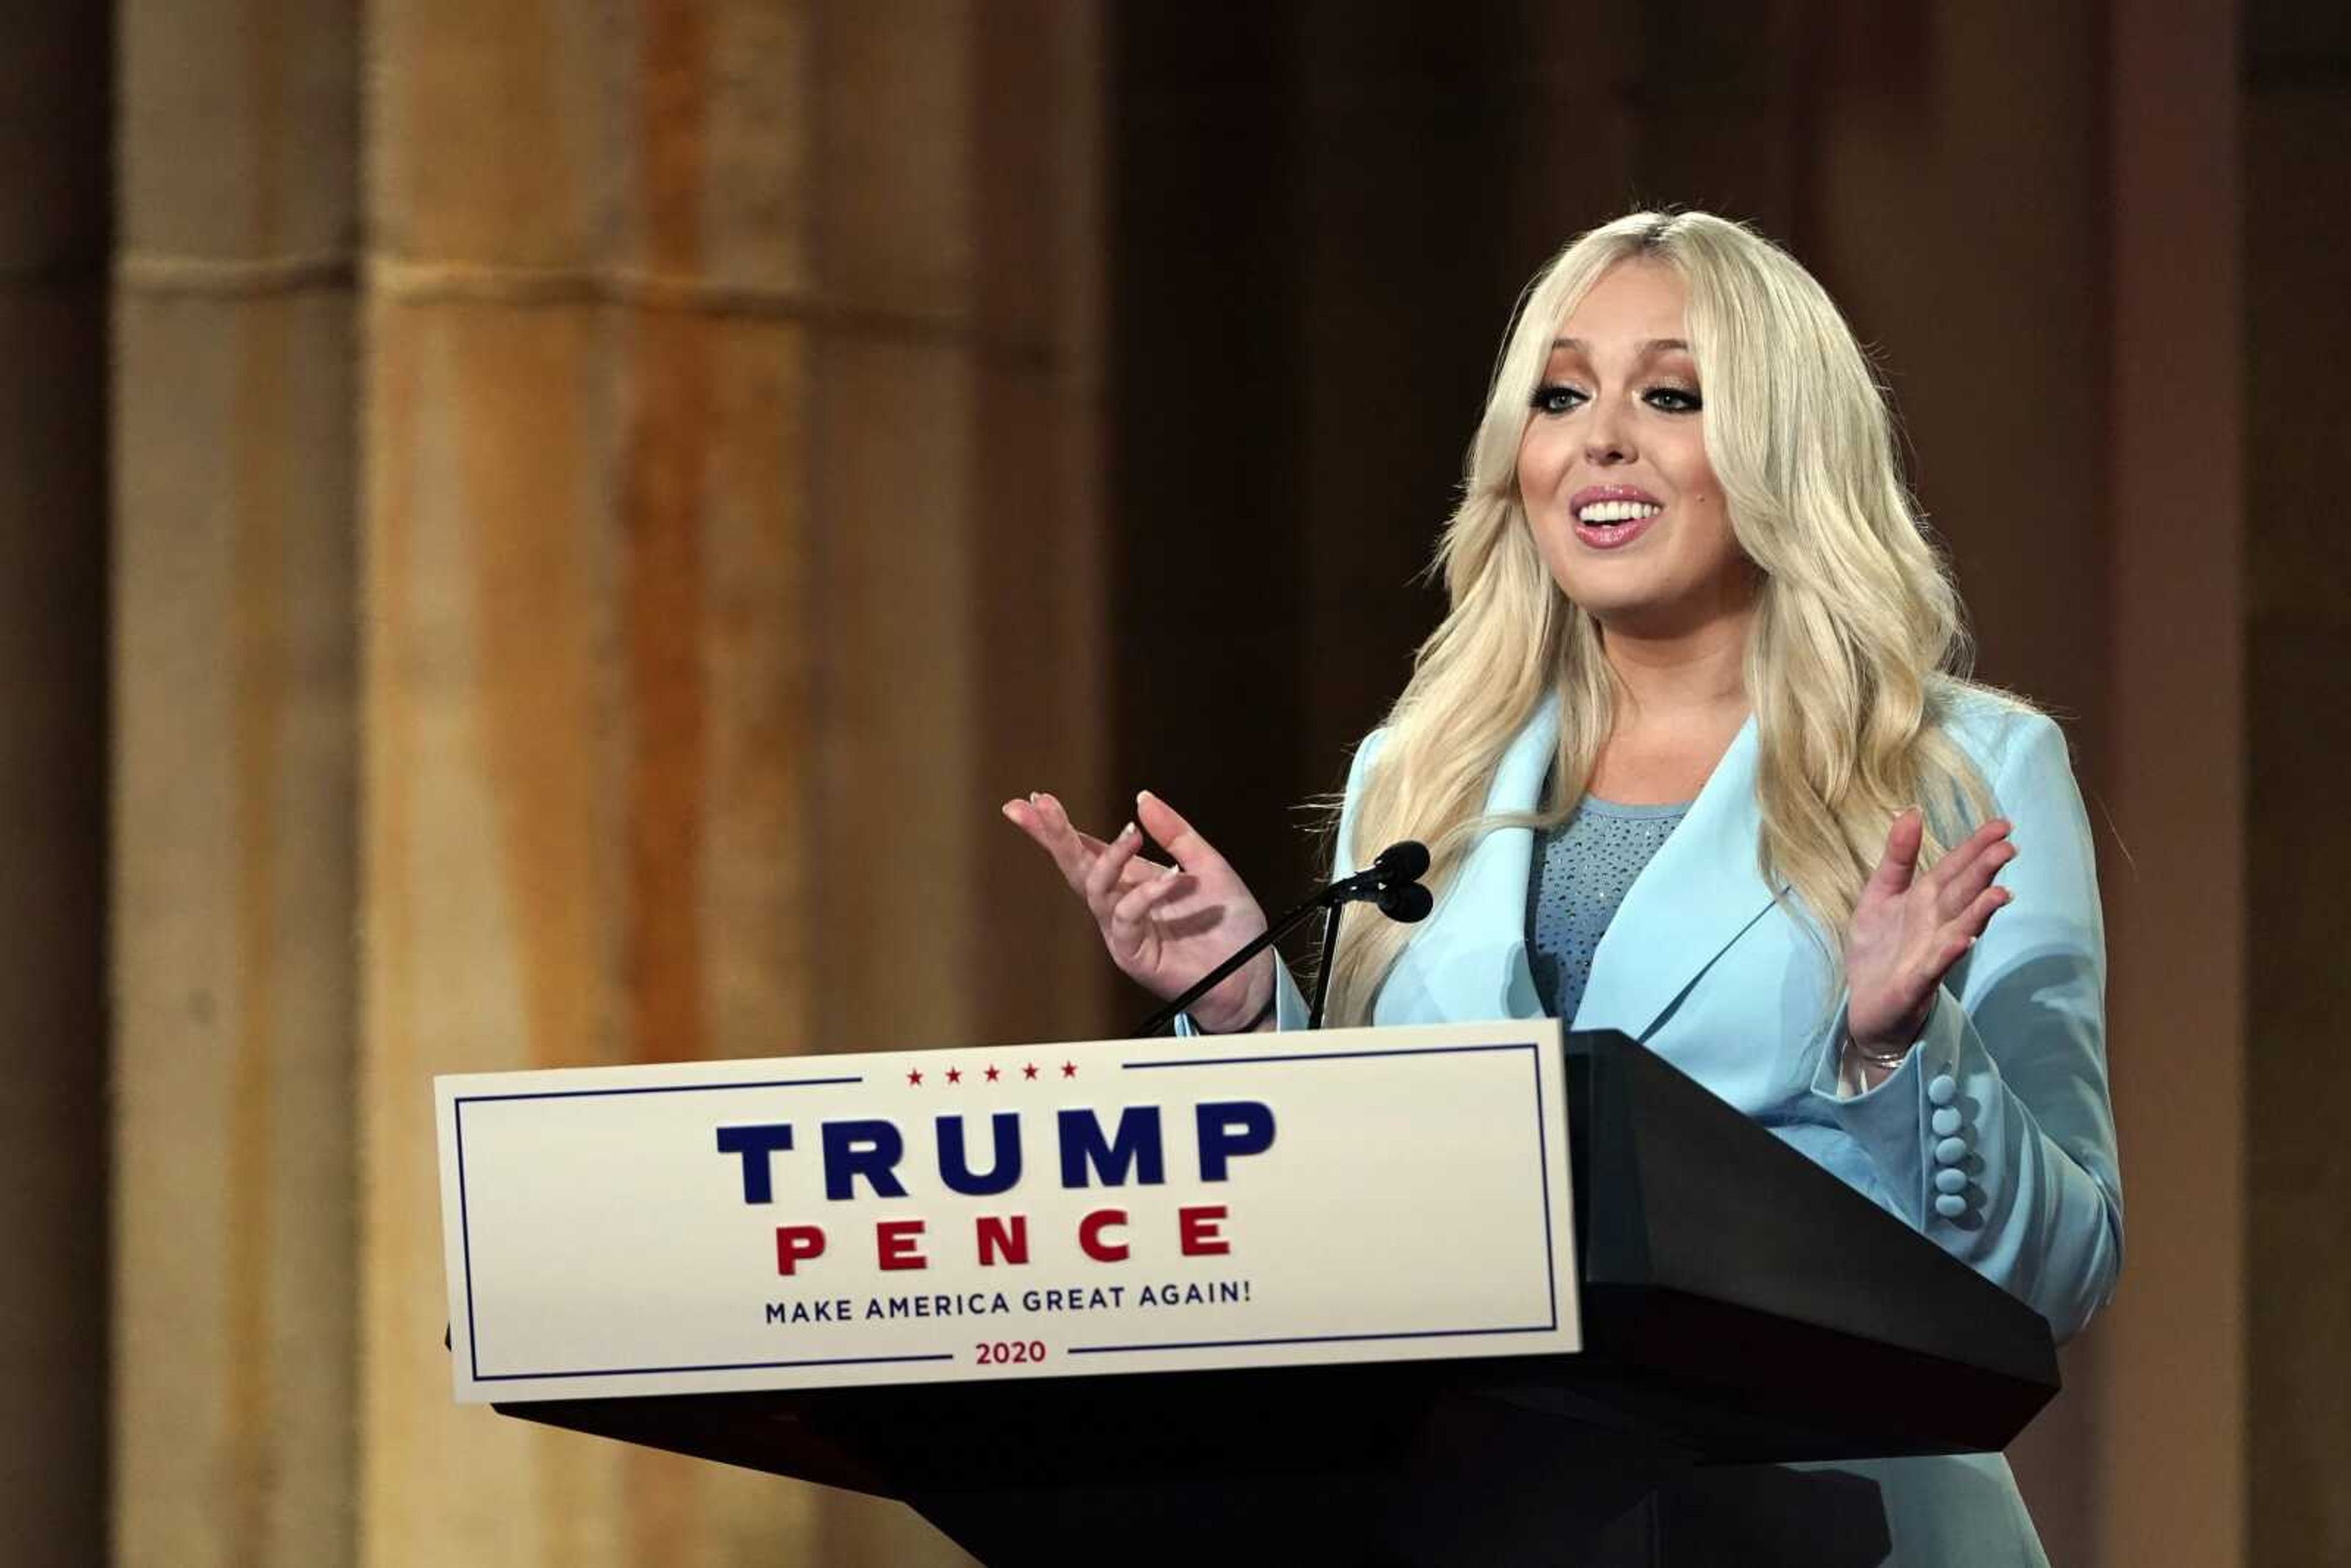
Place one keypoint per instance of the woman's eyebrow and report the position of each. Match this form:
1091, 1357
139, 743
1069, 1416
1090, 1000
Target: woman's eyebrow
1652, 346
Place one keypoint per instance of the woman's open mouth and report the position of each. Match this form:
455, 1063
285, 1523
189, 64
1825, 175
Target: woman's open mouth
1613, 524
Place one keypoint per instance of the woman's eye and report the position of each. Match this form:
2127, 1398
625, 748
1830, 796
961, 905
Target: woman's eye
1675, 400
1554, 398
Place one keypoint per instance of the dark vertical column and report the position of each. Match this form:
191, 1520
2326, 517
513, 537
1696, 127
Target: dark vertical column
1038, 585
2026, 211
1989, 318
55, 77
2296, 119
1320, 218
1410, 145
2170, 1357
1718, 121
1204, 396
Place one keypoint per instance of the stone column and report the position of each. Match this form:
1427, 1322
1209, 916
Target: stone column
712, 516
235, 804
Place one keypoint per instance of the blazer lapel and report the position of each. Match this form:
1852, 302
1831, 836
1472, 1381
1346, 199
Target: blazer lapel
1469, 959
1699, 893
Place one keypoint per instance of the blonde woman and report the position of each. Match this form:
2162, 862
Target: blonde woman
1696, 760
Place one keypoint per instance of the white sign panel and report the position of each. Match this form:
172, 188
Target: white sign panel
1008, 1211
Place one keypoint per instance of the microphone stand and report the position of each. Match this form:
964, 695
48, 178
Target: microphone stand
1323, 970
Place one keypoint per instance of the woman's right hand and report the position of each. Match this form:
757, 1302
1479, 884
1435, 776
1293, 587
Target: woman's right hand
1164, 925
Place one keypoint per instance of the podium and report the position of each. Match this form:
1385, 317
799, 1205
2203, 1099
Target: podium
1738, 1306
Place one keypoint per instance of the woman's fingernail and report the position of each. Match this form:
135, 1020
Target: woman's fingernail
1127, 832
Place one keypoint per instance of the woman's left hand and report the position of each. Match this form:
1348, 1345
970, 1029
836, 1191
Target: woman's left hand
1910, 928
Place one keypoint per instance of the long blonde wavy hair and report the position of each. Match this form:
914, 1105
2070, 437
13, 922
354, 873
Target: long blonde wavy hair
1857, 642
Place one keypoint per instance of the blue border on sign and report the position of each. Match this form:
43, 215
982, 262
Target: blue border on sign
1543, 1177
465, 1233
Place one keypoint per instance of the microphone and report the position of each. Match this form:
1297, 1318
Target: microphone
1404, 861
1402, 864
1407, 903
1392, 882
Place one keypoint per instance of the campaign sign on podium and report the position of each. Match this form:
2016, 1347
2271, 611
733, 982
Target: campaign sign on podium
1008, 1211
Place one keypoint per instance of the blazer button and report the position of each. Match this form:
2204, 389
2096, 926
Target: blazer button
1948, 1180
1942, 1089
1946, 1121
1951, 1205
1950, 1151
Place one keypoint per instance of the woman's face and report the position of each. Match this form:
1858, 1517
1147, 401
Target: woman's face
1612, 466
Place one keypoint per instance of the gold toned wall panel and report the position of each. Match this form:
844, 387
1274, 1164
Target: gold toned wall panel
584, 835
235, 968
237, 127
493, 874
491, 137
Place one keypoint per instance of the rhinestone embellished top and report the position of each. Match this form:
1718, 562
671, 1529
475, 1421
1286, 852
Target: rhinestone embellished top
1582, 869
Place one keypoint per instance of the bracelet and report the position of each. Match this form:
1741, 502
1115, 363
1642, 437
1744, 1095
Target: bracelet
1886, 1061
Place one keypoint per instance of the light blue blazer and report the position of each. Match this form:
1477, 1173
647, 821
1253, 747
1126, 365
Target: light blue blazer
1702, 967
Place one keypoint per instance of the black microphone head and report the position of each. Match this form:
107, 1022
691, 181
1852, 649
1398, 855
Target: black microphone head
1407, 902
1405, 861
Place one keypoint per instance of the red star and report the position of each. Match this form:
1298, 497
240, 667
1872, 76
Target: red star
915, 1076
955, 1074
1069, 1069
991, 1075
1029, 1071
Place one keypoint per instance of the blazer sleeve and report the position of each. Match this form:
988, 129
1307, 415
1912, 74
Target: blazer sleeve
1996, 1136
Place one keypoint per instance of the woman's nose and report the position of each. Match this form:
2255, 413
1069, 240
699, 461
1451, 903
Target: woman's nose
1605, 439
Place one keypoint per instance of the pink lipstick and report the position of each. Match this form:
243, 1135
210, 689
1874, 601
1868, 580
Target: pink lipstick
1610, 517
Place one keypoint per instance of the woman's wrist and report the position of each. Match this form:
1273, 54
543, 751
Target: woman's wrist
1870, 1069
1878, 1060
1885, 1058
1248, 1018
1257, 1020
1888, 1045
